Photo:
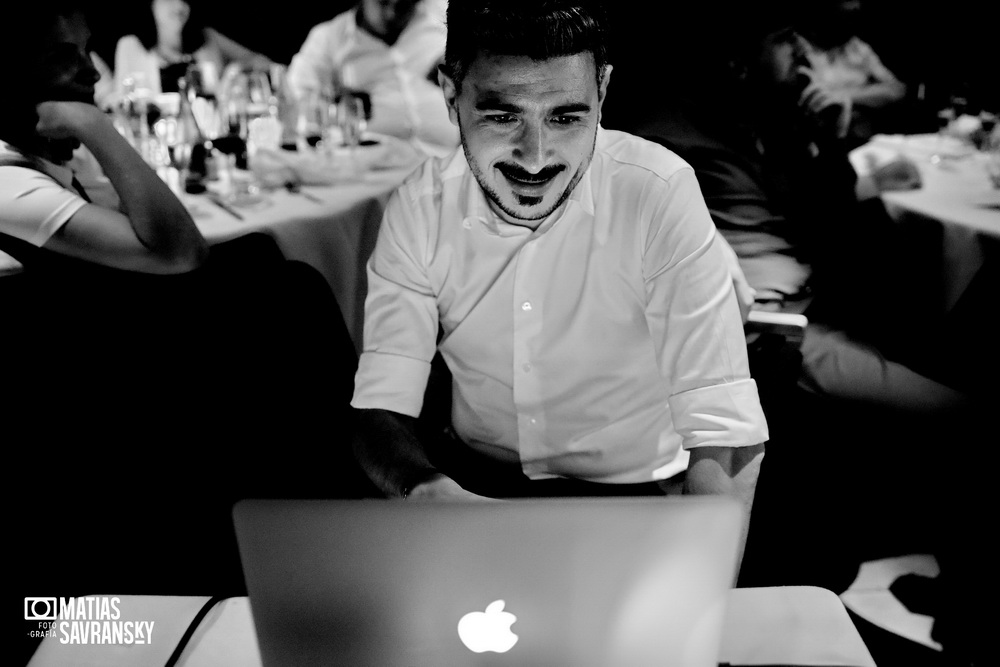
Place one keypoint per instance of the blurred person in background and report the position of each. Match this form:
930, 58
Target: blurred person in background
53, 115
833, 76
389, 50
128, 344
171, 37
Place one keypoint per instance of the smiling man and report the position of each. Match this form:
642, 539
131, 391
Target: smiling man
570, 277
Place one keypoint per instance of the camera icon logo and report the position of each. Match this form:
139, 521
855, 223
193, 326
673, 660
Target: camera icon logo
41, 609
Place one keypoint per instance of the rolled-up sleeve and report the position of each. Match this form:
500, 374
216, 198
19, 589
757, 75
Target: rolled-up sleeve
695, 322
401, 322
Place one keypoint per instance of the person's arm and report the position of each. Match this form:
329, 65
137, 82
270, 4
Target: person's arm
401, 326
727, 471
313, 67
392, 455
883, 87
104, 90
689, 293
233, 51
153, 234
133, 61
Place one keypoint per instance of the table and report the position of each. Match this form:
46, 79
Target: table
956, 205
787, 625
330, 226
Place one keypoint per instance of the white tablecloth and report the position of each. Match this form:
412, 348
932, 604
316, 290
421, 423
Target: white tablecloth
334, 235
956, 195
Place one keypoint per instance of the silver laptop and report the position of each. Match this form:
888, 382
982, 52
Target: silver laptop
603, 582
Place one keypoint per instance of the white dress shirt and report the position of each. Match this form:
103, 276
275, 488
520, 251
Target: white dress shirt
405, 103
134, 61
35, 201
599, 346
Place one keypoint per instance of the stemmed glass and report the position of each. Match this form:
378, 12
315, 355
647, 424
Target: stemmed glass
351, 119
947, 116
246, 97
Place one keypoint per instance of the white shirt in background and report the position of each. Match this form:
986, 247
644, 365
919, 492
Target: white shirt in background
405, 103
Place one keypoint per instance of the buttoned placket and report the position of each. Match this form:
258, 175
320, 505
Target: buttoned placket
528, 311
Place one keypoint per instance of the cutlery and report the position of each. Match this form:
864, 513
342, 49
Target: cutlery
296, 189
215, 199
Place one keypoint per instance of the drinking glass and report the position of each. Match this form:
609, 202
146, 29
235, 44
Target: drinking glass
314, 118
351, 119
246, 97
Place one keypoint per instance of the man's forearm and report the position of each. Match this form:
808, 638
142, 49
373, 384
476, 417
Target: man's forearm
158, 218
727, 471
879, 94
390, 451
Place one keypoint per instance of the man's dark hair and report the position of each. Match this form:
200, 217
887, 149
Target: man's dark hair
19, 48
538, 29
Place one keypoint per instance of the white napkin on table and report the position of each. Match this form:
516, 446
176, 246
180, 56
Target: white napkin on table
275, 168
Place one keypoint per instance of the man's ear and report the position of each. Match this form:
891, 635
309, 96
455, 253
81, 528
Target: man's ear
602, 89
450, 91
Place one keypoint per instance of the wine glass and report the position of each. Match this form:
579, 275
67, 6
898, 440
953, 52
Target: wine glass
315, 113
246, 99
351, 119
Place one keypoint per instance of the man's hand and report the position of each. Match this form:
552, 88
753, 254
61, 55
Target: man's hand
817, 96
442, 487
66, 120
899, 174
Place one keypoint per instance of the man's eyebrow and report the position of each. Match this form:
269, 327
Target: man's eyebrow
492, 102
577, 107
495, 103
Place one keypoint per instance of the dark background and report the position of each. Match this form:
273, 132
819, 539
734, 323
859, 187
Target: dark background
663, 48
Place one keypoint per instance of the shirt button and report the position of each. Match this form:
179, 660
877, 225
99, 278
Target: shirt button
526, 368
534, 421
467, 223
526, 305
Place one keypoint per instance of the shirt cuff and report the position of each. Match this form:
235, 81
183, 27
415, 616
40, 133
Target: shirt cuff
722, 415
390, 382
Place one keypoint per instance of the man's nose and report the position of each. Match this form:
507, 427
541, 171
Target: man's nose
532, 148
88, 73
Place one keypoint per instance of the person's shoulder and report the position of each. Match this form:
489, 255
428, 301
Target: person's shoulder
130, 43
858, 48
22, 174
435, 10
637, 157
335, 24
18, 166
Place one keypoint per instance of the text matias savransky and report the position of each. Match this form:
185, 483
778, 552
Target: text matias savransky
92, 620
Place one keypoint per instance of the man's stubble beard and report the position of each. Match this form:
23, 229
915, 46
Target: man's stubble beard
494, 197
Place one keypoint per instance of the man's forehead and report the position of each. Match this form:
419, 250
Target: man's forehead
497, 74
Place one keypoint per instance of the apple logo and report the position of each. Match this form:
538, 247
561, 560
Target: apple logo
489, 630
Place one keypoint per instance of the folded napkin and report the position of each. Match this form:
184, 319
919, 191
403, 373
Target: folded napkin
884, 148
275, 168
